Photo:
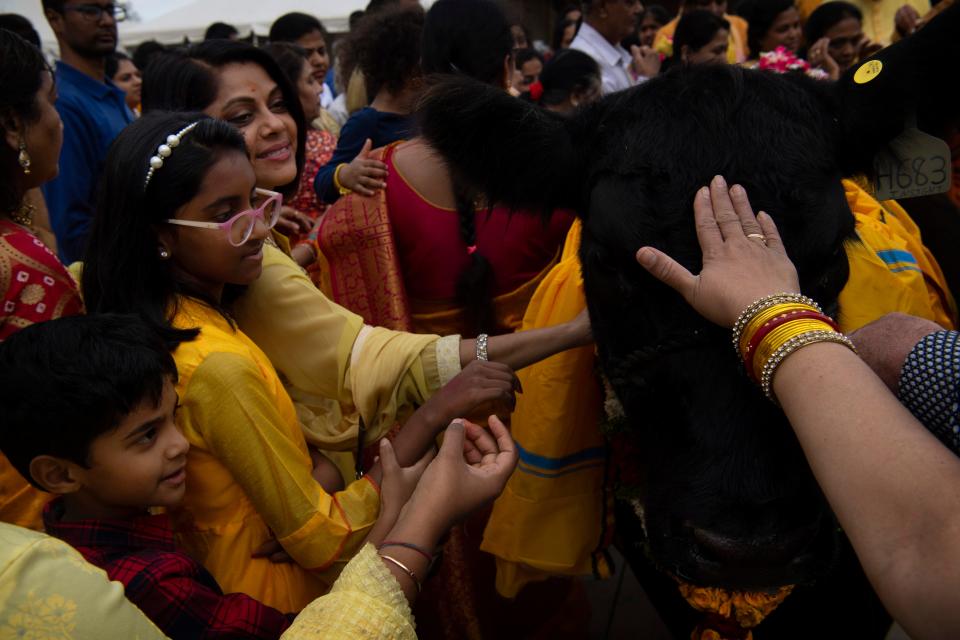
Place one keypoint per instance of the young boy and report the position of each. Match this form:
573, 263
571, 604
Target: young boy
87, 409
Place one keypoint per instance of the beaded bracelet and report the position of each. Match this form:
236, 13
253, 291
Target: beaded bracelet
791, 345
780, 336
482, 347
778, 298
403, 567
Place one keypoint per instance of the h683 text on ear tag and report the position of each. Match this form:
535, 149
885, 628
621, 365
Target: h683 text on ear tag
915, 164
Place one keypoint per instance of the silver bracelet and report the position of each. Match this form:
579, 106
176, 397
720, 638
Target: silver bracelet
482, 347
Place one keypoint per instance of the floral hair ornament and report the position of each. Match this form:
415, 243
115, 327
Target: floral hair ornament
536, 91
165, 150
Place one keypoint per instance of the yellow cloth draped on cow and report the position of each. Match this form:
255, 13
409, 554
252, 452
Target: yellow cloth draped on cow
551, 520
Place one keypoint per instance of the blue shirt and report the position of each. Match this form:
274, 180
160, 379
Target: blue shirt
381, 127
93, 114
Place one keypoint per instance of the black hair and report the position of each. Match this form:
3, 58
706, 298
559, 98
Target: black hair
21, 75
558, 32
220, 31
386, 46
526, 55
760, 16
290, 58
658, 12
354, 20
145, 52
21, 26
290, 27
827, 15
470, 38
112, 64
568, 72
53, 5
65, 382
123, 271
186, 80
695, 30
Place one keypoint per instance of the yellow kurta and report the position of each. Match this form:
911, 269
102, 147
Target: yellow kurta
47, 590
365, 602
249, 473
737, 50
336, 369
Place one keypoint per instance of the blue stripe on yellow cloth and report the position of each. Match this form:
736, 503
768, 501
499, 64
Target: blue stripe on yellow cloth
898, 260
553, 465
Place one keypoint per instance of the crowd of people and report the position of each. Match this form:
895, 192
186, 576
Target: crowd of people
259, 336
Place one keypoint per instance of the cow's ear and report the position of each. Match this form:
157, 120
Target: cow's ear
878, 97
514, 152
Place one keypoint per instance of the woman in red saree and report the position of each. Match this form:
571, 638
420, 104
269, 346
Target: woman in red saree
424, 254
34, 286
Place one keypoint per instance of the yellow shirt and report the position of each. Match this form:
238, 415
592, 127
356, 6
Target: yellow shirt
337, 369
249, 473
737, 50
47, 590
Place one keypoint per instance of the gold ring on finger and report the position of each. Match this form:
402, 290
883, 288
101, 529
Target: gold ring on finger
759, 236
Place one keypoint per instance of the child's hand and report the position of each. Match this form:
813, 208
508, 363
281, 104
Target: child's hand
398, 483
363, 174
481, 389
325, 472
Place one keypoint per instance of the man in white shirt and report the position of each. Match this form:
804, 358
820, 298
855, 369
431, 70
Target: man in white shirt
605, 24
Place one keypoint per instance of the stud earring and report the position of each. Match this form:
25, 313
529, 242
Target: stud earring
164, 254
24, 158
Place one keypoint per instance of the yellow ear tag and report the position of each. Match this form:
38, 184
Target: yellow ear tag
868, 71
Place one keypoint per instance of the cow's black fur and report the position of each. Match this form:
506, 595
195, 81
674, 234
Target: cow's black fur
713, 453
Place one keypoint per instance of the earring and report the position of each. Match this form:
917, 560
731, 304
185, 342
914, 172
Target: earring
164, 254
24, 158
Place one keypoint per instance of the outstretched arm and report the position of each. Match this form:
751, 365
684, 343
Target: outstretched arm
893, 486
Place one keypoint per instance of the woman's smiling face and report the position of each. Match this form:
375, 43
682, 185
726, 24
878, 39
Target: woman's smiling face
251, 101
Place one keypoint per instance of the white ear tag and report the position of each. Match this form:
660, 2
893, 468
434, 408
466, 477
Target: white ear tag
915, 164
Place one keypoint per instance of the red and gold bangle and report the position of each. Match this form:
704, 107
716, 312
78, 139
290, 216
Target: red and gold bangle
765, 316
778, 337
764, 330
751, 312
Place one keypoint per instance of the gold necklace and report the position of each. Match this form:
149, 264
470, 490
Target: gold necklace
24, 215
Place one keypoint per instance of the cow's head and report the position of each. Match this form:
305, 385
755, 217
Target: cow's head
726, 495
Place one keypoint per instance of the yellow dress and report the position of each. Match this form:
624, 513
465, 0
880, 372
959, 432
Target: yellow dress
249, 473
336, 369
737, 50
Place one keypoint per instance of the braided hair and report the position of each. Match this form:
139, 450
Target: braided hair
472, 38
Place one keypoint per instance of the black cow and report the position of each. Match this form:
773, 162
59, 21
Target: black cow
726, 496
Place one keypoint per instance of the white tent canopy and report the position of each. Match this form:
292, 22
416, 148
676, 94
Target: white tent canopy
170, 21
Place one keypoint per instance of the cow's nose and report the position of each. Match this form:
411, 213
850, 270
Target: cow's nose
779, 548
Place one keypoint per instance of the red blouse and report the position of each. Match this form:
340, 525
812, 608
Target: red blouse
432, 253
36, 287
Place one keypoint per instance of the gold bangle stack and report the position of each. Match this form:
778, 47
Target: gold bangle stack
764, 303
766, 333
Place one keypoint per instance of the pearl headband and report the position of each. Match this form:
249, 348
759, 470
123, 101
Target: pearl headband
165, 150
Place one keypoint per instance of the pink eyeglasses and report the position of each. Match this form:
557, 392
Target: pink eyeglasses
239, 227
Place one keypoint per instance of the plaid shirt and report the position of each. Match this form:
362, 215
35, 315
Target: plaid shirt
172, 589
